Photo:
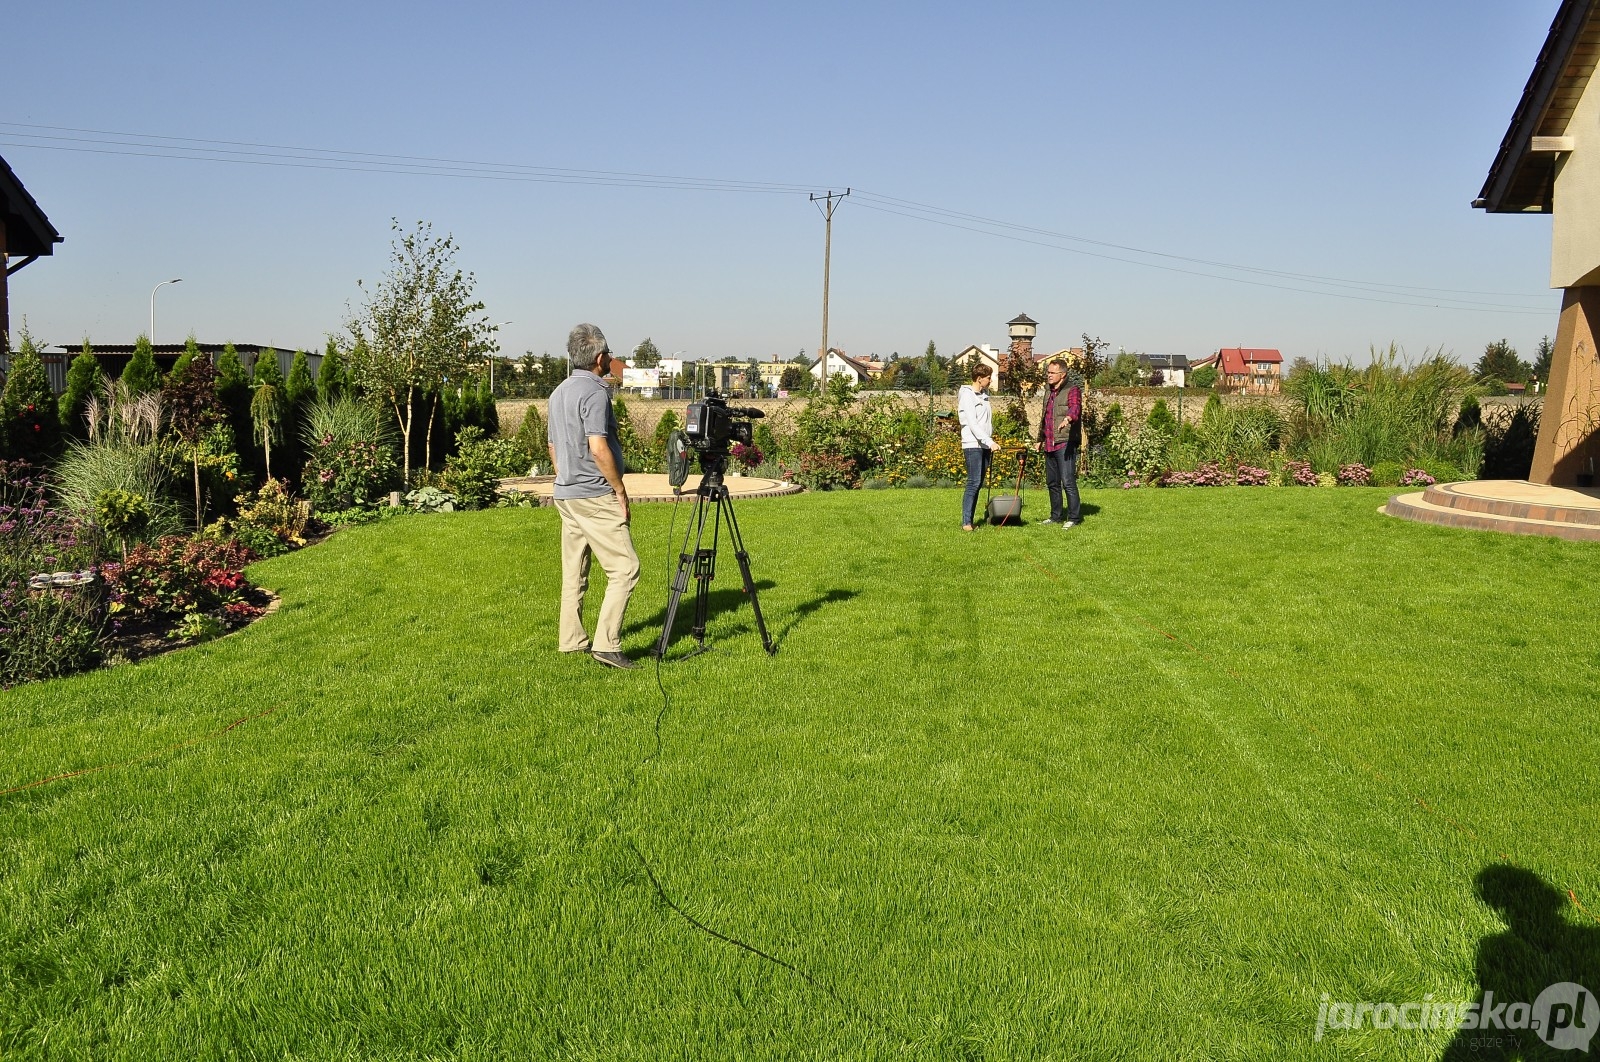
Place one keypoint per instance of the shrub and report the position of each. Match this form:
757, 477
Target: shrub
1299, 474
177, 575
474, 471
1251, 476
351, 460
942, 457
1416, 477
1387, 473
431, 500
875, 483
748, 457
532, 441
270, 521
124, 455
44, 632
826, 471
1353, 475
1141, 453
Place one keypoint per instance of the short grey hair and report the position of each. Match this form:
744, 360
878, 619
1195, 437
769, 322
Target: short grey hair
585, 344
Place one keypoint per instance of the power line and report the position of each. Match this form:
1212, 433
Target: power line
194, 149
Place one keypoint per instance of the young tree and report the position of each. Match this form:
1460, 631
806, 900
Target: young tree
141, 374
417, 327
83, 379
233, 390
330, 375
28, 408
1205, 377
794, 379
645, 355
268, 403
193, 408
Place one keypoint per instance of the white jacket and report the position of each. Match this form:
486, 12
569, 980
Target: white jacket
977, 423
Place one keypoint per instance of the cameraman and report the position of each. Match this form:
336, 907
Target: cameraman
586, 455
977, 436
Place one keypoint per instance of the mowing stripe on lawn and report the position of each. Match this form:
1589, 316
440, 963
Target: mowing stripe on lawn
1367, 768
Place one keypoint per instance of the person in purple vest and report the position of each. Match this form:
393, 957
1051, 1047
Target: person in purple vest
1059, 431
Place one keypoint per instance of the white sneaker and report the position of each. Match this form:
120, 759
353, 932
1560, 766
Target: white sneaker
1069, 524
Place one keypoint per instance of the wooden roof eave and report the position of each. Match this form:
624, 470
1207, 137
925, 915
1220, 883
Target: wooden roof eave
1522, 180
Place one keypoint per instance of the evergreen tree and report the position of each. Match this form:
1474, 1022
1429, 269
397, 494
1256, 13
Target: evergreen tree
83, 379
1542, 357
267, 370
233, 390
1500, 362
300, 387
141, 374
1161, 418
330, 376
488, 414
29, 410
191, 351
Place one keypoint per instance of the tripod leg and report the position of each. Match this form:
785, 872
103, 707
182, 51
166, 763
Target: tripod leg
680, 581
749, 580
705, 570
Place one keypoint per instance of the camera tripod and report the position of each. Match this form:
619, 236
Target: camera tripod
710, 496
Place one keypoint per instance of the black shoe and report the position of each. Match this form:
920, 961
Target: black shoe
616, 660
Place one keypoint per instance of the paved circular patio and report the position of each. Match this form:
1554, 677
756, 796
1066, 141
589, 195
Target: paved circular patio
651, 487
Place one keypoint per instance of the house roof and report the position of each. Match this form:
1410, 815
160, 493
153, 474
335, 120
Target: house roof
1521, 179
1164, 361
1237, 360
861, 367
28, 232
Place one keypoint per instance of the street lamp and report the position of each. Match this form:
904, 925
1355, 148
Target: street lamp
496, 328
674, 356
158, 287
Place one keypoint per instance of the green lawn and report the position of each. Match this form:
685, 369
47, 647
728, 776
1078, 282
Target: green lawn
1144, 789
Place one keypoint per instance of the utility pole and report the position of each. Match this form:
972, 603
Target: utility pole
827, 259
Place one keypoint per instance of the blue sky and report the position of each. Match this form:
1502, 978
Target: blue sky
1336, 141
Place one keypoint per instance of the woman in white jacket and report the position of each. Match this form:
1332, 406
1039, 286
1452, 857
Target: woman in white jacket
977, 436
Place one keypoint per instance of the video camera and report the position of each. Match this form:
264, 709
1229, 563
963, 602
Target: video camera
711, 425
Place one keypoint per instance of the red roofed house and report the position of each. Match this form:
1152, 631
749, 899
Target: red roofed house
1252, 370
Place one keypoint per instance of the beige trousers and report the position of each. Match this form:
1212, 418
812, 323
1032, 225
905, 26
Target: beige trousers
594, 527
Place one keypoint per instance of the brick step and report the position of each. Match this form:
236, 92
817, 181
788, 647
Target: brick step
1421, 508
1453, 496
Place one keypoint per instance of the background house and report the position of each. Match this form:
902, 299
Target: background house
856, 370
978, 352
1249, 370
1174, 369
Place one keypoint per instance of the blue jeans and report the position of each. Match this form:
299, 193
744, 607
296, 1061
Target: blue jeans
977, 471
1061, 471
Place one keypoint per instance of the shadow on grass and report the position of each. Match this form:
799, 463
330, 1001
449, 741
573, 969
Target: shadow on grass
719, 602
1542, 969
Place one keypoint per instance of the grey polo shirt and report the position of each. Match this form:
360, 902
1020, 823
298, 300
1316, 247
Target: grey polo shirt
580, 406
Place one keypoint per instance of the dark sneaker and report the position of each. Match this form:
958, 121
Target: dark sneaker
1052, 520
616, 660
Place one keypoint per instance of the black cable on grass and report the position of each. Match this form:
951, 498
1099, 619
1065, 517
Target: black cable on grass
661, 892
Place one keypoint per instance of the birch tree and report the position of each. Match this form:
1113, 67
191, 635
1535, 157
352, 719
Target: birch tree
417, 327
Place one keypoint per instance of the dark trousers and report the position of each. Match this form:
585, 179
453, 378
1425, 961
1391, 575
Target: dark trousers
1061, 471
977, 470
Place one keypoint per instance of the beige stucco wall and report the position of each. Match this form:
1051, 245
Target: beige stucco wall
1575, 242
